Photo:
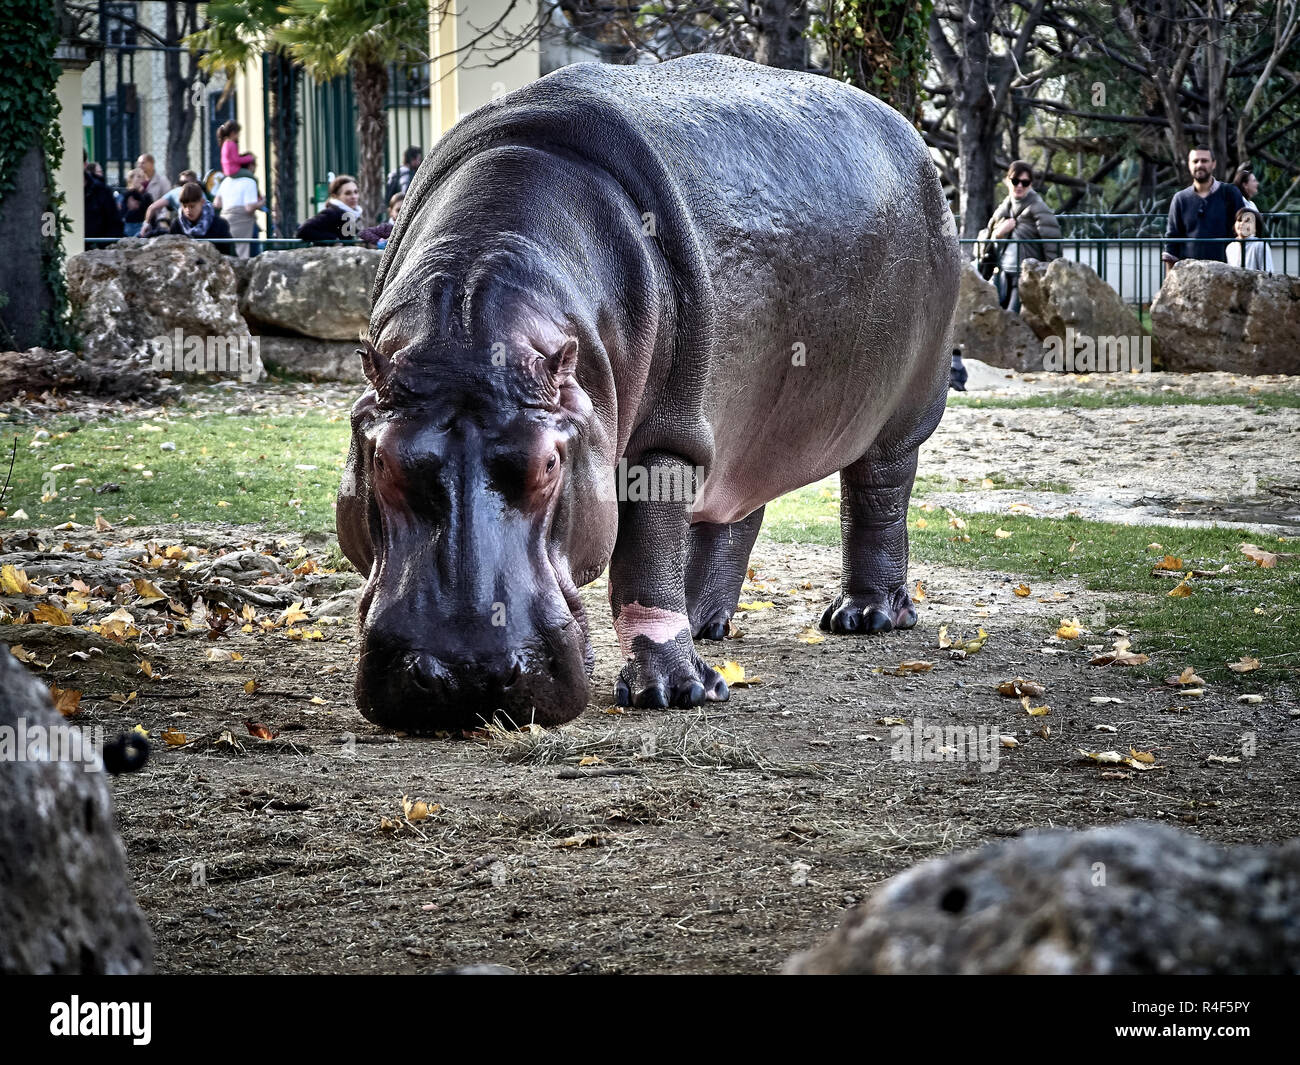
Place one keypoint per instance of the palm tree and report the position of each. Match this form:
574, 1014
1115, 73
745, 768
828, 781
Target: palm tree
330, 37
239, 32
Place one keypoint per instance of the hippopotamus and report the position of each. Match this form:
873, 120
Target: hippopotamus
622, 310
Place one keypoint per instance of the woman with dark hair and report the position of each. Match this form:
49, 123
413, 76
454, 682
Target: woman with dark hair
1023, 216
1248, 250
1248, 183
341, 218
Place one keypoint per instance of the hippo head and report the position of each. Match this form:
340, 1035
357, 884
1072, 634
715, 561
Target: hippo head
475, 497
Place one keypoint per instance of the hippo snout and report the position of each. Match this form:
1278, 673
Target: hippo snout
424, 673
418, 689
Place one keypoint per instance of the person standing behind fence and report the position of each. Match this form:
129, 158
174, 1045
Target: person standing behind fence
157, 181
1248, 250
232, 161
199, 219
400, 179
1023, 216
1248, 185
170, 200
237, 199
135, 202
102, 216
1201, 216
341, 218
377, 236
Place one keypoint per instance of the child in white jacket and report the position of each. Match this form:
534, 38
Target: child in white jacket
1248, 250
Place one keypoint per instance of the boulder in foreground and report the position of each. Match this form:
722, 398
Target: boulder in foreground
1137, 898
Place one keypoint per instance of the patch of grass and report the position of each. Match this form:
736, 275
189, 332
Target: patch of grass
1092, 400
1248, 611
282, 472
926, 484
692, 741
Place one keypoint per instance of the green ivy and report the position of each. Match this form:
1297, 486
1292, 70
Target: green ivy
29, 36
881, 46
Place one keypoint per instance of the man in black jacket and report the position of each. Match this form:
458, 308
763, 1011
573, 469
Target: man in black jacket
199, 219
1201, 215
102, 216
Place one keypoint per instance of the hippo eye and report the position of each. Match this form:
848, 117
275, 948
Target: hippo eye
550, 464
379, 463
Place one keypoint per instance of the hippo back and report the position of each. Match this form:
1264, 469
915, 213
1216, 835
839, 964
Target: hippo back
798, 218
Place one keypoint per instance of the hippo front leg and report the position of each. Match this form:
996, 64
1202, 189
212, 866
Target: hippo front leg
874, 493
647, 593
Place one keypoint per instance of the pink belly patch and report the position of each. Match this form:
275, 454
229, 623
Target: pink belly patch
652, 622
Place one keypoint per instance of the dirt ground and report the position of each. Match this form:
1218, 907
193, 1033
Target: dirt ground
718, 841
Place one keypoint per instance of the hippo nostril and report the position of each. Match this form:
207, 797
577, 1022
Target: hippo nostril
424, 672
513, 675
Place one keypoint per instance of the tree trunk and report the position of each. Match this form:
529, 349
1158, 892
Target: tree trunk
977, 119
779, 33
370, 80
181, 79
1216, 70
25, 299
286, 79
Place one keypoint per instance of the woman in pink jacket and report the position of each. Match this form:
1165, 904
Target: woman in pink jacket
233, 164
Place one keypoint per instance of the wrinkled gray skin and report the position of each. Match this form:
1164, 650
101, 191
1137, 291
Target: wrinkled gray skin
704, 264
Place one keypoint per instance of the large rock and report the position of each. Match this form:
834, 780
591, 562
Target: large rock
40, 370
1061, 295
323, 360
1137, 898
1211, 316
313, 292
984, 331
65, 898
125, 296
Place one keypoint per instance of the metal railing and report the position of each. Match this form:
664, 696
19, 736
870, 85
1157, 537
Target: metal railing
1281, 224
256, 244
1132, 266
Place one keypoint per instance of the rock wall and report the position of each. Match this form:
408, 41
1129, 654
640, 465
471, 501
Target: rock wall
1211, 316
984, 331
128, 297
1063, 295
311, 292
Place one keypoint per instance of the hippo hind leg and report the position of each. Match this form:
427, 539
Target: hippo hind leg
717, 561
874, 493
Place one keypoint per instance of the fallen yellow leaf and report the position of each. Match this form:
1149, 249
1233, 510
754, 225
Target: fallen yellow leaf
49, 614
1069, 629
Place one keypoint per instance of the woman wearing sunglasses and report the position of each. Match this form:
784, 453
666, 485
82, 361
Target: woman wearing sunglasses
1023, 216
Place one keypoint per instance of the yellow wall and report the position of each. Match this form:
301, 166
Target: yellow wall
477, 82
251, 119
69, 178
442, 67
463, 83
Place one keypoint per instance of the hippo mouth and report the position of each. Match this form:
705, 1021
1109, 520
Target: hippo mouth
426, 686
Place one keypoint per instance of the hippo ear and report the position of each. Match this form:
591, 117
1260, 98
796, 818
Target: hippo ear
562, 365
374, 365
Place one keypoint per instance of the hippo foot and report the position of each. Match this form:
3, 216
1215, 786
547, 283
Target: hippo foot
716, 628
869, 612
676, 682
